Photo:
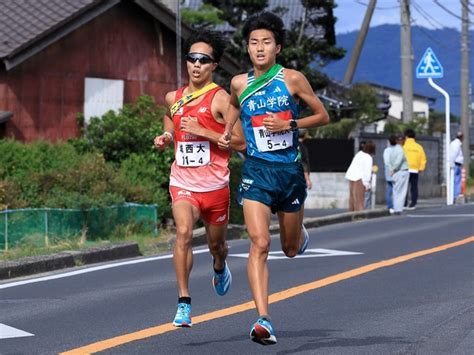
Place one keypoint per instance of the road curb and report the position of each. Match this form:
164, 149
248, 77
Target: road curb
33, 265
37, 264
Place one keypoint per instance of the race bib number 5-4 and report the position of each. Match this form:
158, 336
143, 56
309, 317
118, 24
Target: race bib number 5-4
192, 154
270, 141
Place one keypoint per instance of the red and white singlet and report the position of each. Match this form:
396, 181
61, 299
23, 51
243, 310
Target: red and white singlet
199, 164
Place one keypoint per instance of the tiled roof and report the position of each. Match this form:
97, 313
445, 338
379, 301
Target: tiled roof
28, 26
25, 21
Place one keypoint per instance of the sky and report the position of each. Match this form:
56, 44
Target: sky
426, 13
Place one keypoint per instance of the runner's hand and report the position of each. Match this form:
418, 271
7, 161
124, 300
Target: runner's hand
224, 141
275, 124
190, 125
161, 142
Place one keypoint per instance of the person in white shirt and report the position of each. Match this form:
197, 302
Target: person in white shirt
388, 176
359, 175
457, 160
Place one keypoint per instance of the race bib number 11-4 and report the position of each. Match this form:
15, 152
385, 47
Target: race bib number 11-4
267, 141
192, 154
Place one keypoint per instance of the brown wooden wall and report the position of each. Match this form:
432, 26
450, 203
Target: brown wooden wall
46, 92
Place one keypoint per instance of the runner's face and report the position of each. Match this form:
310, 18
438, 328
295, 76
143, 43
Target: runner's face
262, 48
197, 71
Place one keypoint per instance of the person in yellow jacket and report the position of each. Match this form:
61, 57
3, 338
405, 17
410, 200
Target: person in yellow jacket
416, 159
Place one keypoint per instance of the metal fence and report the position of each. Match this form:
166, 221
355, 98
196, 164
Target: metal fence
46, 225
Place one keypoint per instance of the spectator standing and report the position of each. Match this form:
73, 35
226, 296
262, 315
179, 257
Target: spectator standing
398, 167
456, 160
359, 175
388, 177
416, 158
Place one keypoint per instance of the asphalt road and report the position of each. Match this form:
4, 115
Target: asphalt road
404, 286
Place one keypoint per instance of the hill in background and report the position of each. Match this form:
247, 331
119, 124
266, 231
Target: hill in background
380, 60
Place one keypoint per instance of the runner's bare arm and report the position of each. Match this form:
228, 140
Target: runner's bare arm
219, 106
163, 140
300, 87
232, 113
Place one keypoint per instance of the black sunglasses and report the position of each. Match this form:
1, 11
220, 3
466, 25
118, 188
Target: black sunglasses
203, 58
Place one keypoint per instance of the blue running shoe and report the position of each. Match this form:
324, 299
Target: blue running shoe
262, 332
305, 242
221, 282
183, 316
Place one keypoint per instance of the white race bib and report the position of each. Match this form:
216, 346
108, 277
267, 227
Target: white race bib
269, 142
192, 154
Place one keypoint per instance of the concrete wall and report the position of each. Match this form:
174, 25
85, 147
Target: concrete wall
330, 190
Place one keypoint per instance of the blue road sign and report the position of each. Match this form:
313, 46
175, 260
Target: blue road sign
429, 66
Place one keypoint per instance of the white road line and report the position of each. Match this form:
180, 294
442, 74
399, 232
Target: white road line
309, 253
92, 269
439, 216
10, 332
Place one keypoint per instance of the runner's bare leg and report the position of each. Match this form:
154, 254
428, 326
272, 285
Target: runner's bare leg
217, 245
257, 219
291, 235
185, 215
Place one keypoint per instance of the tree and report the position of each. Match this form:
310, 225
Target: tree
361, 109
207, 16
312, 36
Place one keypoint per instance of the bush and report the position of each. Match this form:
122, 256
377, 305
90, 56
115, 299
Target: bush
22, 167
92, 184
417, 124
118, 135
145, 179
114, 162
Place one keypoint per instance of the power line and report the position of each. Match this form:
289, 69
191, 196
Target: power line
449, 11
377, 7
429, 36
427, 16
467, 6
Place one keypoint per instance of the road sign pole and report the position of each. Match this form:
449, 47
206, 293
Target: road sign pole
449, 175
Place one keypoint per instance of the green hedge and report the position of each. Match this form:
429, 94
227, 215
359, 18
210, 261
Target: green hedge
113, 162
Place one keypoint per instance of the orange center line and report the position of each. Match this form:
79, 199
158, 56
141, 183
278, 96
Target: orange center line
273, 298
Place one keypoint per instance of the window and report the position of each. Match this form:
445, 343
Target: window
102, 95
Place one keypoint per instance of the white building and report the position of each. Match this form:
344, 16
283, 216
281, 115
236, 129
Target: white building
421, 105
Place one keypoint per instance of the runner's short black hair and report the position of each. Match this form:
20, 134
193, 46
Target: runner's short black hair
265, 21
212, 38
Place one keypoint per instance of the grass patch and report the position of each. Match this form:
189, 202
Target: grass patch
148, 244
35, 245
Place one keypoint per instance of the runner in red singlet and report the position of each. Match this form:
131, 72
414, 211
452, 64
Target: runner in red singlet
199, 180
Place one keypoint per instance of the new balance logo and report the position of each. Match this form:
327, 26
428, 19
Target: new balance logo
202, 109
296, 202
221, 218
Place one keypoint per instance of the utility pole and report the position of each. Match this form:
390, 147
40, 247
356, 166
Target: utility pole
465, 97
178, 43
359, 43
407, 60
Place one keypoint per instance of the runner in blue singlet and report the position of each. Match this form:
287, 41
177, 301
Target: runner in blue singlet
272, 177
